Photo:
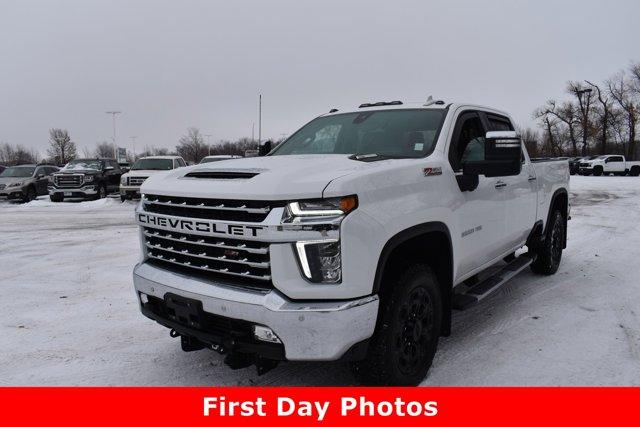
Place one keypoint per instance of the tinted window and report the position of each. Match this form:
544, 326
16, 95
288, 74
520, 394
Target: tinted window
499, 123
393, 133
181, 162
468, 140
153, 164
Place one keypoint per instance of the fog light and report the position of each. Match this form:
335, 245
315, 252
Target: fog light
144, 298
321, 262
263, 333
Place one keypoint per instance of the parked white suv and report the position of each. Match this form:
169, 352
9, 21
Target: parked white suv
609, 164
142, 169
353, 240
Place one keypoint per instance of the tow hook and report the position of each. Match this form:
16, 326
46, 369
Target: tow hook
237, 360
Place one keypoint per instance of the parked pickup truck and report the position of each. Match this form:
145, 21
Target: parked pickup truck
609, 164
142, 169
352, 240
85, 178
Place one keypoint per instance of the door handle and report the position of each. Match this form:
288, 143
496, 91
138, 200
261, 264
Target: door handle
532, 178
500, 184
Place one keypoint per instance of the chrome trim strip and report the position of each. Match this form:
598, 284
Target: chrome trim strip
262, 251
220, 259
221, 207
245, 274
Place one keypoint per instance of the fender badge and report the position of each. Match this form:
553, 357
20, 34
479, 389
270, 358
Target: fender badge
432, 171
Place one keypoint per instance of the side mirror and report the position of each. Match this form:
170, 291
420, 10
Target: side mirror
264, 149
502, 156
40, 176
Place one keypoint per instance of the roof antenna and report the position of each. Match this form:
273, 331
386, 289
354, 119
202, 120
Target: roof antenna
430, 101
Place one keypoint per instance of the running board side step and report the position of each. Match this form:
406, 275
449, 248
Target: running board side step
481, 290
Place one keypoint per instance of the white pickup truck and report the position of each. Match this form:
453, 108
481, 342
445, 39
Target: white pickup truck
353, 240
609, 164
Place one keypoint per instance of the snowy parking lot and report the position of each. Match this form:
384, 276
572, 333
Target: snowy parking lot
68, 313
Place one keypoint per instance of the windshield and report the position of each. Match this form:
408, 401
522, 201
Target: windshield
391, 133
84, 164
18, 172
153, 164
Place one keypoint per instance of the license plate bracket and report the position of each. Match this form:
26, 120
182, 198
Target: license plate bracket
186, 311
68, 194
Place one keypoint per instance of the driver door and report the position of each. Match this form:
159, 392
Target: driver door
480, 213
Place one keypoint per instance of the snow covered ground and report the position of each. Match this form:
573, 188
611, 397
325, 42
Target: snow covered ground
68, 313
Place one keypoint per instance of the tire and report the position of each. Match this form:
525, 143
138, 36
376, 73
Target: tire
549, 254
30, 195
56, 197
123, 198
597, 171
406, 338
102, 192
634, 171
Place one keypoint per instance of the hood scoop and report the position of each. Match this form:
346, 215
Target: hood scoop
221, 175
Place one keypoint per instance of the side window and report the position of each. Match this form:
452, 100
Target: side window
181, 162
467, 143
499, 123
114, 164
616, 159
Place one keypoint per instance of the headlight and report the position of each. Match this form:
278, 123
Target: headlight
321, 262
123, 180
323, 207
88, 178
15, 184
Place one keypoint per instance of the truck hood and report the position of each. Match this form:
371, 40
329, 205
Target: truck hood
143, 172
78, 171
276, 177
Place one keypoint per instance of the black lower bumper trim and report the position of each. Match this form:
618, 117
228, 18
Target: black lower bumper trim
232, 334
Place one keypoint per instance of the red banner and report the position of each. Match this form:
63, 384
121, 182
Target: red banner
314, 406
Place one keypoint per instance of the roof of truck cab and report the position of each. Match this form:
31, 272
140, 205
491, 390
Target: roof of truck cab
161, 157
412, 106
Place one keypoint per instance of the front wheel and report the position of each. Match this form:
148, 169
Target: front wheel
102, 192
56, 197
406, 337
549, 253
598, 170
30, 195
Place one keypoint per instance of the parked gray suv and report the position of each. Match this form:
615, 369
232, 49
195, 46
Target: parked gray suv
25, 182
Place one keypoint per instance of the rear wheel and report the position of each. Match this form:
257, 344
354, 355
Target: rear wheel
549, 253
634, 171
406, 337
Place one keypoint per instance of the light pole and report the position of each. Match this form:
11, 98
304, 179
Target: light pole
133, 143
259, 120
209, 142
115, 146
584, 109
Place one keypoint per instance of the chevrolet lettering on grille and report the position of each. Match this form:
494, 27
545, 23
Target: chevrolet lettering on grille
201, 226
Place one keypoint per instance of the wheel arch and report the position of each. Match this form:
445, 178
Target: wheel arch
559, 200
433, 239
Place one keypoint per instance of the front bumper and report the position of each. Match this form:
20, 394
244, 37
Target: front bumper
84, 191
12, 193
129, 191
309, 331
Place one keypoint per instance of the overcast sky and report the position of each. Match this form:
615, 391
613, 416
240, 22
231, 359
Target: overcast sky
168, 65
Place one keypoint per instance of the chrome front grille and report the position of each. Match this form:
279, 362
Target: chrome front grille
136, 181
220, 209
68, 181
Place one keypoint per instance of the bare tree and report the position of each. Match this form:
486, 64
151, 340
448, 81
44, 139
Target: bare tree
566, 113
623, 91
530, 140
12, 155
191, 146
61, 149
104, 149
604, 115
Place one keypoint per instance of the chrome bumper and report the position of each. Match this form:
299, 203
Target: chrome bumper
311, 331
126, 189
89, 190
